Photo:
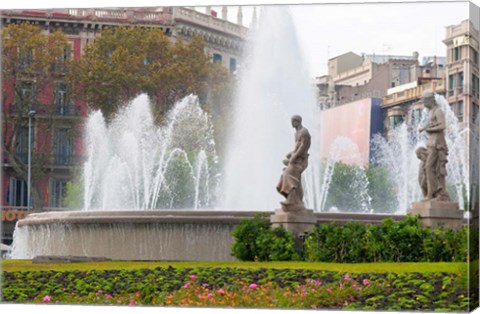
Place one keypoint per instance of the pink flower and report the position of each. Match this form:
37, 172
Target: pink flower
132, 303
108, 296
187, 285
137, 294
347, 278
253, 286
205, 285
47, 298
221, 291
209, 295
365, 282
328, 290
99, 292
193, 277
341, 285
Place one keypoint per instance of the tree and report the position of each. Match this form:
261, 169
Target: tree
381, 190
34, 77
125, 62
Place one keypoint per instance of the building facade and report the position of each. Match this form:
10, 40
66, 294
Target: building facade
353, 77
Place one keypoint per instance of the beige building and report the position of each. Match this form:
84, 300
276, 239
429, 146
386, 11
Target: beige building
463, 86
462, 74
353, 77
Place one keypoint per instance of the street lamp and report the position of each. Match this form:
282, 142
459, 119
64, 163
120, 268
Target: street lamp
31, 114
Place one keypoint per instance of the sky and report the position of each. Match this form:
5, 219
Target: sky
329, 30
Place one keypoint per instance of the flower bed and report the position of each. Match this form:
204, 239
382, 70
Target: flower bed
236, 287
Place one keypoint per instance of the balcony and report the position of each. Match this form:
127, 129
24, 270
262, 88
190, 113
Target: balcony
66, 110
62, 110
413, 94
65, 160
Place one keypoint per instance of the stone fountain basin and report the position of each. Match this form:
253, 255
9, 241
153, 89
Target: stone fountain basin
172, 235
184, 235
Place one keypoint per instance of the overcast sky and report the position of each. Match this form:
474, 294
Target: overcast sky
329, 30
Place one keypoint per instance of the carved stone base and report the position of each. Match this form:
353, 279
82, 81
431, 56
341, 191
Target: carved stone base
435, 214
298, 221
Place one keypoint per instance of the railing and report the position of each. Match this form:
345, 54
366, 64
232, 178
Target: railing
208, 21
64, 110
56, 159
68, 109
118, 15
413, 93
62, 159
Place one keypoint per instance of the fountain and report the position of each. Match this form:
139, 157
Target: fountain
274, 86
397, 156
156, 193
133, 164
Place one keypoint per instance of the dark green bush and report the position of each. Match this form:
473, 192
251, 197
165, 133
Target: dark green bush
403, 241
255, 240
355, 242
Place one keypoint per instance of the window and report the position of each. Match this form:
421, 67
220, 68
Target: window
475, 56
475, 85
217, 58
460, 110
57, 192
61, 104
26, 93
65, 55
21, 143
457, 55
451, 82
474, 112
25, 58
18, 192
416, 116
67, 52
62, 147
460, 81
233, 65
395, 121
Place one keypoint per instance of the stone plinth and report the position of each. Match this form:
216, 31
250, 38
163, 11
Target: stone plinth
298, 222
435, 214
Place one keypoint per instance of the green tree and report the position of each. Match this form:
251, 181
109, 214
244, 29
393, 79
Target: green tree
125, 62
340, 192
381, 190
33, 66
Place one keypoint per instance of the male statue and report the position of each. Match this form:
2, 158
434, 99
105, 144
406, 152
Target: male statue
290, 184
437, 150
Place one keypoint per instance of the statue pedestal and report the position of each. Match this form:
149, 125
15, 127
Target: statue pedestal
434, 214
297, 220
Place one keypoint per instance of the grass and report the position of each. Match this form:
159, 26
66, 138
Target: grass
27, 265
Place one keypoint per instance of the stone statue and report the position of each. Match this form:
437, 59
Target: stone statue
290, 184
437, 150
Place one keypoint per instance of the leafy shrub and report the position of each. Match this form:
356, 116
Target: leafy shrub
403, 241
255, 240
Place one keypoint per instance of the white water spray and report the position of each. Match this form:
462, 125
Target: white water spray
274, 86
